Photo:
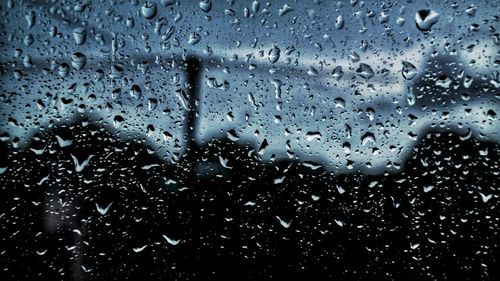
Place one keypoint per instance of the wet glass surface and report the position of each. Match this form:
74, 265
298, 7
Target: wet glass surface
249, 140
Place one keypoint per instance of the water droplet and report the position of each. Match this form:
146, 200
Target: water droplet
139, 249
28, 61
283, 223
285, 10
80, 35
102, 210
118, 121
80, 166
312, 71
63, 69
425, 19
194, 38
149, 10
409, 71
365, 71
212, 83
63, 142
277, 88
30, 18
339, 22
170, 240
310, 136
263, 146
28, 39
135, 91
78, 60
206, 5
232, 135
337, 72
255, 7
152, 104
367, 138
274, 54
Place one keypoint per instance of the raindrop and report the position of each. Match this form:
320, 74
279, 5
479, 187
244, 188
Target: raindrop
274, 54
78, 60
283, 223
139, 249
310, 136
409, 71
170, 240
194, 38
62, 142
30, 18
255, 7
367, 138
212, 83
152, 103
339, 22
277, 88
337, 72
232, 135
80, 166
149, 10
206, 5
135, 91
102, 210
365, 71
262, 148
80, 35
283, 11
118, 121
425, 19
63, 69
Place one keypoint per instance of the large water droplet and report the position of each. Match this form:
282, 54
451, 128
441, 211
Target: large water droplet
337, 72
425, 19
80, 35
367, 138
30, 18
206, 5
274, 54
149, 10
136, 91
194, 38
63, 69
78, 60
339, 22
365, 71
409, 71
212, 83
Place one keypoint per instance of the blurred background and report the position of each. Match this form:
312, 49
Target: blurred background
249, 140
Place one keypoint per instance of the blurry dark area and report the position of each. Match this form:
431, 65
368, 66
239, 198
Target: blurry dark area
201, 220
